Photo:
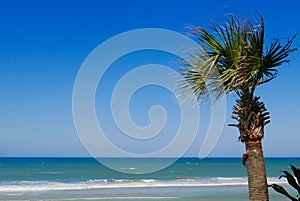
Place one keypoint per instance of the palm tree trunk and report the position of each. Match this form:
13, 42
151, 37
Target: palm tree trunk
257, 179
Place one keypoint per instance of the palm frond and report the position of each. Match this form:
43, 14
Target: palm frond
275, 55
292, 182
282, 191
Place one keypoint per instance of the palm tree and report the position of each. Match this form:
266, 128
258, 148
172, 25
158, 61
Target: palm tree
236, 51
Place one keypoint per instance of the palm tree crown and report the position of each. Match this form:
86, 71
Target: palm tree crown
237, 51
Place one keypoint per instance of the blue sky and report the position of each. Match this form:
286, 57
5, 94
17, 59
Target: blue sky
43, 44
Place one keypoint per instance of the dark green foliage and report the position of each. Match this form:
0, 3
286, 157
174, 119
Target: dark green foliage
292, 182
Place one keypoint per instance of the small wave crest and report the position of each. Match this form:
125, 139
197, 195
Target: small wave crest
31, 186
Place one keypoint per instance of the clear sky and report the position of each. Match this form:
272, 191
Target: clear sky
43, 44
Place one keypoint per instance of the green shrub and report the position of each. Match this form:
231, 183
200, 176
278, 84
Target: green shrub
295, 183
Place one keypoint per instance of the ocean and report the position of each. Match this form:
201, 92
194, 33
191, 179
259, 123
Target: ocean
211, 179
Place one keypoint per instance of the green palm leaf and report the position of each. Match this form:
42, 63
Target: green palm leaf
282, 191
296, 172
291, 180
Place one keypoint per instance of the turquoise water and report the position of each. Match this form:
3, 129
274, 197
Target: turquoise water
86, 179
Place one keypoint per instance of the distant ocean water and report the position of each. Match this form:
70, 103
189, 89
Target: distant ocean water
86, 179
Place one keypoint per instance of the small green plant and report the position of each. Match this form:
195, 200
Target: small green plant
295, 183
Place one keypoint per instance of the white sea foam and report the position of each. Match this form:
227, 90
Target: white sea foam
119, 198
32, 186
50, 173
